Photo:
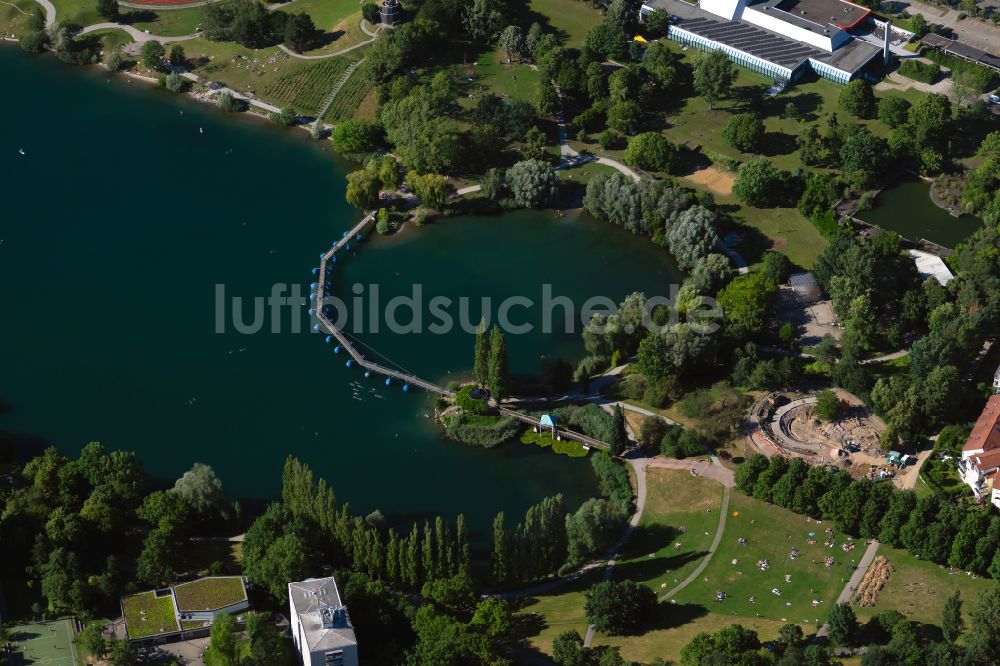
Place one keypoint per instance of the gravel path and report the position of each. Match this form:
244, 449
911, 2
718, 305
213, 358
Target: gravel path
852, 584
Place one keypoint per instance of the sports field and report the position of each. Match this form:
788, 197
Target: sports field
45, 643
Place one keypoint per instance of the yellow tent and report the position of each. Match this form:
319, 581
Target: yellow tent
639, 39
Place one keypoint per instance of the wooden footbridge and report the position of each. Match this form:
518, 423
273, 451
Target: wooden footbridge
357, 358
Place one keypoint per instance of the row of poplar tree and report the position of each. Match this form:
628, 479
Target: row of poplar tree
535, 547
490, 366
437, 550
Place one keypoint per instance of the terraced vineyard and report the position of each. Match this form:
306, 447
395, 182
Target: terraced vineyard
349, 98
305, 88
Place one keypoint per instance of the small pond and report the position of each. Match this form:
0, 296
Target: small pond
907, 209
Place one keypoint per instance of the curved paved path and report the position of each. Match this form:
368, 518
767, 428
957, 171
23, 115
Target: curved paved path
718, 473
136, 34
727, 492
639, 466
50, 12
569, 158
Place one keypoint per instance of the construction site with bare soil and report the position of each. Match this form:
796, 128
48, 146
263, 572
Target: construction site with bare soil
787, 424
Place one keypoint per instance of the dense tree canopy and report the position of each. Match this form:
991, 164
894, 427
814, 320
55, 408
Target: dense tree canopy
744, 132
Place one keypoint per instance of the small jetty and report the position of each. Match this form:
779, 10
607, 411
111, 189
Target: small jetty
327, 261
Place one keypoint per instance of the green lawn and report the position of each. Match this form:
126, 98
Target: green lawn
771, 533
210, 593
148, 615
111, 40
942, 477
14, 15
918, 589
77, 11
338, 20
168, 23
782, 229
681, 510
494, 74
547, 616
326, 14
570, 19
685, 623
233, 65
676, 499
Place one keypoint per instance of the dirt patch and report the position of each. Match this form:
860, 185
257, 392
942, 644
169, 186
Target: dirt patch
873, 582
716, 180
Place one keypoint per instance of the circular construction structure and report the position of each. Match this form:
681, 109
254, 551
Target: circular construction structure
850, 441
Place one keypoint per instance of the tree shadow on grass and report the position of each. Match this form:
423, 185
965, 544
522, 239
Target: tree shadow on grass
650, 539
747, 98
806, 105
754, 243
651, 567
323, 39
671, 616
690, 161
525, 16
777, 143
134, 16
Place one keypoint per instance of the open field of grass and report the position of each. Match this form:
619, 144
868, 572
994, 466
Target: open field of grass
210, 593
148, 615
14, 15
918, 589
569, 19
771, 533
675, 499
340, 36
677, 526
667, 643
77, 11
325, 13
547, 616
240, 68
494, 74
782, 229
169, 23
111, 40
